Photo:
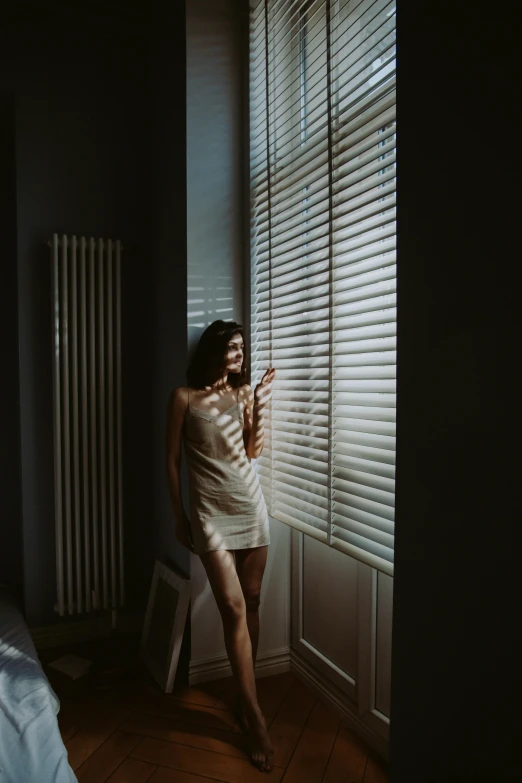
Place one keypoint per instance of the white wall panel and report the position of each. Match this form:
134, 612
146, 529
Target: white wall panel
330, 603
383, 643
341, 635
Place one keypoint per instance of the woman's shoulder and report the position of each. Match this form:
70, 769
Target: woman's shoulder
179, 397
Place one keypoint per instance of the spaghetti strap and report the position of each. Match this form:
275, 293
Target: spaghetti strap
238, 390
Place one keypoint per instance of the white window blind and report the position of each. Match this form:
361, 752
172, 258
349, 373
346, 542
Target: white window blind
322, 119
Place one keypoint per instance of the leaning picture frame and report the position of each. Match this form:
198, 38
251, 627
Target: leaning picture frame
164, 624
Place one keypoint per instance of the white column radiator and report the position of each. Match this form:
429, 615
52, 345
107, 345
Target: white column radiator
86, 303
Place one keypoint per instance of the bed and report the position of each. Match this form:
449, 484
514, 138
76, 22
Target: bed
31, 748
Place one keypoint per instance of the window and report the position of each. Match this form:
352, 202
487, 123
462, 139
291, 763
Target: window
322, 91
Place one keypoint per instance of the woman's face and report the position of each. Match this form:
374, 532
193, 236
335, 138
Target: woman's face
234, 354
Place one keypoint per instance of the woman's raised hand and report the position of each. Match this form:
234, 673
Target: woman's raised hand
263, 390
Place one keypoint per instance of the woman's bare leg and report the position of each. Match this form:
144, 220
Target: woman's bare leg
250, 566
224, 581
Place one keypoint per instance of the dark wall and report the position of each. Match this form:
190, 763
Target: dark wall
11, 571
456, 667
90, 159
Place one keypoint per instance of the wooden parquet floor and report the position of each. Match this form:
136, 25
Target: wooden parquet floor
119, 727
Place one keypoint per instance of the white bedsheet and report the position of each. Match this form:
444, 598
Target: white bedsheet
31, 748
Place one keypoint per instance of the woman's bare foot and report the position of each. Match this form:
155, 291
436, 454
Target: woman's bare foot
261, 750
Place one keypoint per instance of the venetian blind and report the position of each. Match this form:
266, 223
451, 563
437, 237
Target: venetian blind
322, 119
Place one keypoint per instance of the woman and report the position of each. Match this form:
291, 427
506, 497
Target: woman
220, 420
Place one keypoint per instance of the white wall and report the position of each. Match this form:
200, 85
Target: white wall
215, 273
215, 216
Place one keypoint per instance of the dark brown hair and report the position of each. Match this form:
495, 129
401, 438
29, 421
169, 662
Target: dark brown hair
208, 361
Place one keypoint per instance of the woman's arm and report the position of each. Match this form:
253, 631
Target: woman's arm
255, 404
254, 429
176, 410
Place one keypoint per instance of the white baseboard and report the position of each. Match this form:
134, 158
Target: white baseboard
338, 701
217, 667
